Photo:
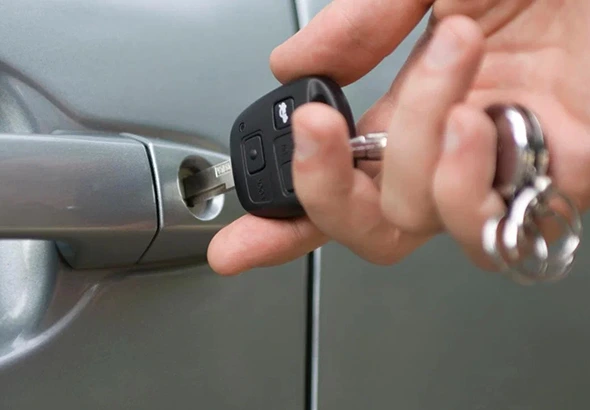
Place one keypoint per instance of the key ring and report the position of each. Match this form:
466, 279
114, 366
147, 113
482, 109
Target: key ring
574, 228
518, 220
515, 269
520, 224
521, 179
533, 202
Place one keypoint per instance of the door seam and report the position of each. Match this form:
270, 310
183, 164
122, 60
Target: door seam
313, 278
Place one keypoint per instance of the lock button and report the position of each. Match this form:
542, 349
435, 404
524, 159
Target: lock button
254, 154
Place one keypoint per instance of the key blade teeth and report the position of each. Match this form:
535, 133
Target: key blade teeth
208, 183
205, 196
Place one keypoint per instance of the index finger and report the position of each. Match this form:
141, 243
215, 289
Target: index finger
347, 39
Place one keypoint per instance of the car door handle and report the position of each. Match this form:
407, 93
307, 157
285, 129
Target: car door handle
107, 200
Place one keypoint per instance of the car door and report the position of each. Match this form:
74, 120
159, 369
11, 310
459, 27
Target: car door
90, 92
435, 332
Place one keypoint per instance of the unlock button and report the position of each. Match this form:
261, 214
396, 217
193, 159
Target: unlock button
253, 153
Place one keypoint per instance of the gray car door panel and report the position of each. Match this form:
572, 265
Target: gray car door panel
175, 65
153, 337
429, 332
435, 332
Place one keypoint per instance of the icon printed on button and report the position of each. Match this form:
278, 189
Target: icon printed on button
283, 112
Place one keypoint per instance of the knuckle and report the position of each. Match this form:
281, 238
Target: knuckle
408, 217
328, 200
297, 231
388, 250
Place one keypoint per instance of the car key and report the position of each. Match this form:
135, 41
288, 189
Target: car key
261, 150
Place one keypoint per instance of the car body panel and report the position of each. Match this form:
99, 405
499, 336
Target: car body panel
429, 332
158, 338
434, 331
174, 65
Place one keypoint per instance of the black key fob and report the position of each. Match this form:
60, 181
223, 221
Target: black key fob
261, 145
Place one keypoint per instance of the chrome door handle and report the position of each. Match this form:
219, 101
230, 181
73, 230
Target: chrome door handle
107, 200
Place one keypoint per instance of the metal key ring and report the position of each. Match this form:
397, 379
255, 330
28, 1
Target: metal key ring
573, 228
516, 271
518, 220
532, 202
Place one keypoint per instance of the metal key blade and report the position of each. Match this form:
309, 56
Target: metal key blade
369, 147
215, 180
218, 179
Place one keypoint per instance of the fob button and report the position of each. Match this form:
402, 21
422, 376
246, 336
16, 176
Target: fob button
287, 177
254, 154
284, 149
259, 188
283, 110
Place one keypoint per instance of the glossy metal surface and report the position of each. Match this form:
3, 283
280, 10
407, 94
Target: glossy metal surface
108, 200
184, 233
205, 184
369, 147
522, 153
521, 178
160, 338
171, 340
93, 195
177, 65
28, 271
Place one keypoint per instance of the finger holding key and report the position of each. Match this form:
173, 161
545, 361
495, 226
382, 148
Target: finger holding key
464, 177
343, 202
440, 78
347, 39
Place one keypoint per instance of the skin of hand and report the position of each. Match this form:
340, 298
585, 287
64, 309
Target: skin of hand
439, 165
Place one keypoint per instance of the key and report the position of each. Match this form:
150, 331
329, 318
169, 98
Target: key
261, 150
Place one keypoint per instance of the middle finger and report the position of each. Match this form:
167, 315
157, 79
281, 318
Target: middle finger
440, 78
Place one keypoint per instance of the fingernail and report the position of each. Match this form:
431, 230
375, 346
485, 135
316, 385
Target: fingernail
305, 147
444, 49
451, 138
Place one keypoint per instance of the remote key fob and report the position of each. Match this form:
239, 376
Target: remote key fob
261, 145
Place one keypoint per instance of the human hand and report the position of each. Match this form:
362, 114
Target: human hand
534, 56
353, 218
